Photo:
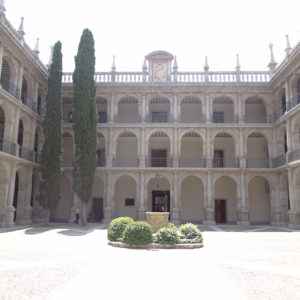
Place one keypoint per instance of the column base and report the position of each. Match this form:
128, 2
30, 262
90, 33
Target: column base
176, 216
40, 215
294, 219
210, 217
107, 215
141, 214
243, 217
24, 216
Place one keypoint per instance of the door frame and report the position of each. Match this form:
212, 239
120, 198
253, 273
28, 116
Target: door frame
223, 213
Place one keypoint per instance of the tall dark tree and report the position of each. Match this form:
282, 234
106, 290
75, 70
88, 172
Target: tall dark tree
84, 121
51, 153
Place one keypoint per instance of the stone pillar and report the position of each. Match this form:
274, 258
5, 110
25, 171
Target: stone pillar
209, 108
241, 109
294, 214
209, 145
23, 205
210, 205
142, 155
20, 82
35, 95
176, 144
110, 152
243, 149
276, 211
110, 107
289, 137
1, 59
10, 210
288, 96
243, 218
176, 190
176, 109
142, 198
109, 200
143, 109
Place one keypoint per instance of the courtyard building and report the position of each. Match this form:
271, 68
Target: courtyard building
209, 147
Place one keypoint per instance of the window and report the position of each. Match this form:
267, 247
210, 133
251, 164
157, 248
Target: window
218, 117
129, 202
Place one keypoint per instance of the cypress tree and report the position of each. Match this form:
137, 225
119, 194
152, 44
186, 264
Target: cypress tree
84, 121
51, 152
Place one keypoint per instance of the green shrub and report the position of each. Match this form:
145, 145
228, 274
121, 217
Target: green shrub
138, 233
190, 233
167, 235
116, 228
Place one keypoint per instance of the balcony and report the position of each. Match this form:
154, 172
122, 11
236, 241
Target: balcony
226, 163
159, 117
192, 163
159, 162
120, 163
219, 117
8, 147
257, 163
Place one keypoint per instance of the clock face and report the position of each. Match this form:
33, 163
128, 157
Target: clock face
160, 72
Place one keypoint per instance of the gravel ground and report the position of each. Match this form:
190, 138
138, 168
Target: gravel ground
52, 263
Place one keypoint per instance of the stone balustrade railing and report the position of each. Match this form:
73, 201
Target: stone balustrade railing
230, 77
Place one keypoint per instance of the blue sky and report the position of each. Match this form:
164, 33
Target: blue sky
189, 29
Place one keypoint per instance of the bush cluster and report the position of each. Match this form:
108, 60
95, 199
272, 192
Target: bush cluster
117, 227
125, 229
138, 233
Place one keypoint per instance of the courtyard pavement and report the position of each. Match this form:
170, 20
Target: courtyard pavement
67, 262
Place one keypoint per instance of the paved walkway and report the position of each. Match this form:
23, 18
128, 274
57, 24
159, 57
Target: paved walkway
54, 263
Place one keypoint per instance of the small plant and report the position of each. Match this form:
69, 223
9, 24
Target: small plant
117, 227
167, 235
190, 233
138, 233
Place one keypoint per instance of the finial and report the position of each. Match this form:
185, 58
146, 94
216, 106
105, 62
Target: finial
2, 8
175, 65
36, 50
206, 66
21, 31
238, 66
272, 65
288, 48
113, 67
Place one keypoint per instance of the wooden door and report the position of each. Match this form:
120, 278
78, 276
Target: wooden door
220, 211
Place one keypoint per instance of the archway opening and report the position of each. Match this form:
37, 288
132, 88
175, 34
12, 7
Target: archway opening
191, 110
192, 151
5, 75
192, 200
226, 200
257, 151
127, 150
259, 201
159, 151
125, 198
159, 109
255, 111
128, 110
223, 110
224, 151
158, 195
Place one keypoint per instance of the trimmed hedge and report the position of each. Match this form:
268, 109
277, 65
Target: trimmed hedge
190, 233
167, 235
138, 233
117, 227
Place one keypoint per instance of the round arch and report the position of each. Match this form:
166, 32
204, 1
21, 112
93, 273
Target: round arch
255, 110
126, 150
191, 109
192, 199
128, 110
223, 110
159, 109
159, 149
259, 193
257, 150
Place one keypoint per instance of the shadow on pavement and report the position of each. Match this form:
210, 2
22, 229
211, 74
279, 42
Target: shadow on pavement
12, 229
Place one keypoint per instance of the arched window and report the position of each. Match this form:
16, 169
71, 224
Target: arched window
5, 75
24, 91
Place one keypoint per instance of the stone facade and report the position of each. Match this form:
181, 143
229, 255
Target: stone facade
207, 146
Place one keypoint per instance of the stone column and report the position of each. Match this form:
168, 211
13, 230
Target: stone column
176, 144
110, 152
289, 136
241, 106
276, 211
109, 201
142, 155
35, 95
243, 209
210, 205
294, 214
209, 108
176, 198
288, 95
20, 82
1, 59
110, 107
143, 109
10, 210
175, 110
209, 148
243, 148
142, 198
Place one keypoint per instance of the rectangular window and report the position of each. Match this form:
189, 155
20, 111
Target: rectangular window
129, 202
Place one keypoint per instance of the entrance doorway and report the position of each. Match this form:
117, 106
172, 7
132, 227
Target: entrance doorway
220, 211
161, 201
96, 214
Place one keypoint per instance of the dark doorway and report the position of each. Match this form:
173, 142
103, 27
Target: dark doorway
161, 201
16, 195
220, 211
96, 214
159, 158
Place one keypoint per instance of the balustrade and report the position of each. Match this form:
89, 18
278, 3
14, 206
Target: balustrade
125, 163
226, 163
8, 147
192, 163
257, 163
279, 161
